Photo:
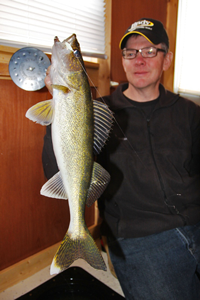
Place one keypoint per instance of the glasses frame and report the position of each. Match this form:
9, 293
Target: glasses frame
140, 51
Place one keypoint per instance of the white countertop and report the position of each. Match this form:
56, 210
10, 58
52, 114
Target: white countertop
40, 277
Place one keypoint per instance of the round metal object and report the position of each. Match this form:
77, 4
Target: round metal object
27, 68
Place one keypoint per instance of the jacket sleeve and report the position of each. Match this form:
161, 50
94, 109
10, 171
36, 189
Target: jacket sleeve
48, 158
195, 128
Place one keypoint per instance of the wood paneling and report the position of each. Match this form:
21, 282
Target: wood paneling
29, 222
171, 26
124, 13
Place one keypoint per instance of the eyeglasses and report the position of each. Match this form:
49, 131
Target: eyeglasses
145, 52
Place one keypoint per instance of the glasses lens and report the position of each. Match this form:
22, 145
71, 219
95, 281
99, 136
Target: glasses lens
129, 54
149, 52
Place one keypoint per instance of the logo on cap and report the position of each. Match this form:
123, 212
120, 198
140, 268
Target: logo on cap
141, 24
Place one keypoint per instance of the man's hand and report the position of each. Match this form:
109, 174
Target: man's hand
47, 81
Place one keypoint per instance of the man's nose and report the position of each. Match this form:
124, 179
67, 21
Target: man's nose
139, 58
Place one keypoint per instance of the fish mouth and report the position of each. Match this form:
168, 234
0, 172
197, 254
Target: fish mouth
72, 41
68, 53
70, 44
65, 44
56, 40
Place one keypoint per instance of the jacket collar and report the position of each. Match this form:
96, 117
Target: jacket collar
119, 101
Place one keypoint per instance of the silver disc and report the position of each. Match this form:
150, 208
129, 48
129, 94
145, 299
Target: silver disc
27, 68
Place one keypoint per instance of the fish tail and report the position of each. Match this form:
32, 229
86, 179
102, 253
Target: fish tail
72, 249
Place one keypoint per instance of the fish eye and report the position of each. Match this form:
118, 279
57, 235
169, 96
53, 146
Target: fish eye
77, 53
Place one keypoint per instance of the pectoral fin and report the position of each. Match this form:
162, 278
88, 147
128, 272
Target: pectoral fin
41, 112
103, 119
99, 182
62, 88
54, 188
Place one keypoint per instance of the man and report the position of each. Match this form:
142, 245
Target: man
151, 208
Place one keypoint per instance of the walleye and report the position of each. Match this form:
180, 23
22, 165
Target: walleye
80, 126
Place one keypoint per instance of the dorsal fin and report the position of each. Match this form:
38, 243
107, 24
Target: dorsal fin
103, 119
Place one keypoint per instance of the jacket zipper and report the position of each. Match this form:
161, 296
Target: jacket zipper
172, 208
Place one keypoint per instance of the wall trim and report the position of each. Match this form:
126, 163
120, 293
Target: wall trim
7, 52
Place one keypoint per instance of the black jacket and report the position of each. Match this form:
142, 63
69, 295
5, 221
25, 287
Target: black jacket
154, 165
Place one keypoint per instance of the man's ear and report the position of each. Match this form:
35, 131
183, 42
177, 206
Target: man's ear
167, 61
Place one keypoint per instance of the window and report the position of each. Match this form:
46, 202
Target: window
34, 23
187, 59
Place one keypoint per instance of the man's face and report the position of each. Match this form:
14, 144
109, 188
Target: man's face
143, 72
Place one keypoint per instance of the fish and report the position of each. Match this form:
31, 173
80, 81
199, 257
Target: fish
80, 127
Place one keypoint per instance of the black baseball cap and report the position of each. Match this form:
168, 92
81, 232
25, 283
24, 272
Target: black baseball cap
152, 30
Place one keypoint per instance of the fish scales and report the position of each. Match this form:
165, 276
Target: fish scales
74, 133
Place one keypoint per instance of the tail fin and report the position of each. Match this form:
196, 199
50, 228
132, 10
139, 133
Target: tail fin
72, 249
